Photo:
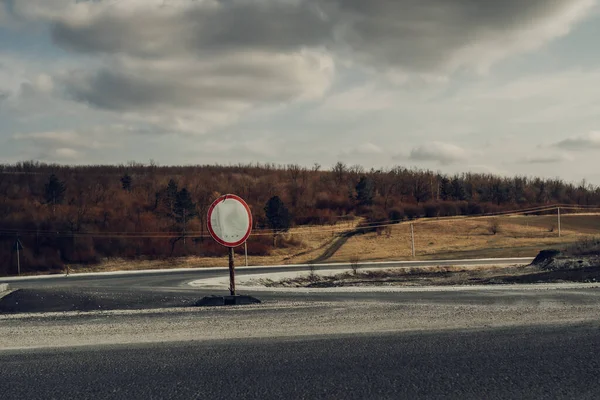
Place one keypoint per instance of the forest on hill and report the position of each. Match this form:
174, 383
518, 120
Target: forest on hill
82, 214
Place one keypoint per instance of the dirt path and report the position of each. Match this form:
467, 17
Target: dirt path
335, 246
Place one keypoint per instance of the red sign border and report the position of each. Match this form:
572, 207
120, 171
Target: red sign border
212, 232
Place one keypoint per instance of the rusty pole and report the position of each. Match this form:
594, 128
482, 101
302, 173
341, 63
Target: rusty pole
231, 273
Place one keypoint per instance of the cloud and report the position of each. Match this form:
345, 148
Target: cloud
547, 159
590, 141
364, 149
91, 138
71, 145
193, 96
199, 27
190, 65
441, 34
442, 153
399, 34
68, 153
200, 91
359, 99
260, 145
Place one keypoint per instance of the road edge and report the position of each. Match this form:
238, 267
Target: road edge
5, 290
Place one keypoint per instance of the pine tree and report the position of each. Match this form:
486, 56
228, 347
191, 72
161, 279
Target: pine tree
445, 188
277, 214
458, 189
365, 191
54, 192
126, 182
171, 195
184, 209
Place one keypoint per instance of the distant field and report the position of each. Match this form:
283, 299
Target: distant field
434, 239
470, 238
583, 223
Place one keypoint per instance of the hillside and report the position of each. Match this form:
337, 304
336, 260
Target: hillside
91, 214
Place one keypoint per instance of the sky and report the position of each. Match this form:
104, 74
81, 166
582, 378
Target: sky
504, 87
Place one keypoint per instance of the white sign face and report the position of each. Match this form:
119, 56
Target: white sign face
229, 220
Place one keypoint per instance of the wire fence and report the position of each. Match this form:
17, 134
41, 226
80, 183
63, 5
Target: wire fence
357, 224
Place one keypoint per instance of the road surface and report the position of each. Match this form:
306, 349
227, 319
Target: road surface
511, 343
166, 288
178, 278
551, 363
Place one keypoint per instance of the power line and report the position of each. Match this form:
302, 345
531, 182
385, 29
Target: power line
311, 230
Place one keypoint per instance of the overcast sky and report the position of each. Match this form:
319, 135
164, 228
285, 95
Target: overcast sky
507, 87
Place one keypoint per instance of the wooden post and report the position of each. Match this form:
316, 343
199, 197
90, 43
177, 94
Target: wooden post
231, 273
412, 239
559, 232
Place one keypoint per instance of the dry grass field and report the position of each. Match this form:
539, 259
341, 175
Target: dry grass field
470, 238
516, 236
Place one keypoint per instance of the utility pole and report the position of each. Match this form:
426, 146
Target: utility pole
412, 239
559, 230
184, 226
18, 248
18, 261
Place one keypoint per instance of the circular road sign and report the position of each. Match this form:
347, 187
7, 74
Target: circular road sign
229, 220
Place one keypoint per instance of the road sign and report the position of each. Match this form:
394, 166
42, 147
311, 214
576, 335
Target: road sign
229, 220
229, 223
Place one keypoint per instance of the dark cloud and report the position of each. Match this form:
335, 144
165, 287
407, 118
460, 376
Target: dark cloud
590, 141
201, 28
420, 34
407, 34
4, 95
183, 83
222, 56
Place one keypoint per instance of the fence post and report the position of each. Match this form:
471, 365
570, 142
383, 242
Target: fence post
559, 230
412, 238
18, 261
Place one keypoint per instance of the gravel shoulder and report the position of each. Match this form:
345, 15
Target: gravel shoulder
422, 312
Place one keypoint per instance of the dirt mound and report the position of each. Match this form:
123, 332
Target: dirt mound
545, 256
585, 274
553, 260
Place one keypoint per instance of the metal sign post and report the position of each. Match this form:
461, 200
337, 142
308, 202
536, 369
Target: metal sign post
231, 273
230, 223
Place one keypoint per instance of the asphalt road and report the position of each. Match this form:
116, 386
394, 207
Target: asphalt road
169, 288
552, 362
513, 343
177, 279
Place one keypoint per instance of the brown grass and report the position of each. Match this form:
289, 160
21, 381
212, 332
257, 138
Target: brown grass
434, 239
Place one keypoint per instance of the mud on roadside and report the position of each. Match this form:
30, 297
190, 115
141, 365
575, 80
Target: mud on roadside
444, 275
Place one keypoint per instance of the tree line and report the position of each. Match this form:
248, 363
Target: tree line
82, 214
